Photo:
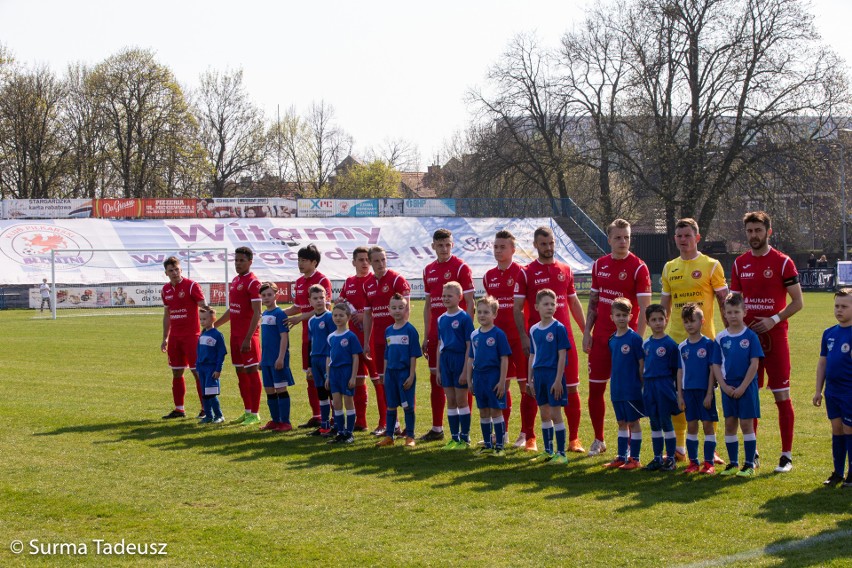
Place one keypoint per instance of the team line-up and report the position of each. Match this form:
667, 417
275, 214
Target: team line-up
525, 334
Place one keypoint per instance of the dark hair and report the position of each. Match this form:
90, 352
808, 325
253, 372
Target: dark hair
691, 311
245, 251
398, 296
688, 222
316, 289
373, 249
542, 232
504, 234
653, 309
622, 304
734, 300
758, 217
171, 261
442, 234
310, 252
360, 250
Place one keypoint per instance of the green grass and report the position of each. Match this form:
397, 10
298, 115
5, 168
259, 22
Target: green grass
85, 456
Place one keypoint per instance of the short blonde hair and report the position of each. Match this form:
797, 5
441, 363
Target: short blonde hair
453, 285
491, 302
545, 293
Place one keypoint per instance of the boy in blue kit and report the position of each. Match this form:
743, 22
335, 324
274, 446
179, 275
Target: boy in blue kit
343, 364
696, 384
275, 359
658, 393
628, 363
454, 329
487, 364
834, 371
211, 357
401, 353
549, 345
320, 327
735, 361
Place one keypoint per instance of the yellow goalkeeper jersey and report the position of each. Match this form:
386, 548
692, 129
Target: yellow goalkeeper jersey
692, 281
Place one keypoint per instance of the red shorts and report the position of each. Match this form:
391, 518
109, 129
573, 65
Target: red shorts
776, 360
248, 359
518, 364
377, 352
182, 351
600, 360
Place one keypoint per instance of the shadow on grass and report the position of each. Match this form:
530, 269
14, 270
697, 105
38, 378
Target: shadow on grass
829, 545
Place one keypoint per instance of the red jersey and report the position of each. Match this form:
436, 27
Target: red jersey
378, 292
559, 278
435, 275
182, 303
612, 278
353, 292
763, 282
244, 290
505, 286
301, 298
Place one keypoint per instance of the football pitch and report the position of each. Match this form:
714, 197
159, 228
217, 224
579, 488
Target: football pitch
87, 464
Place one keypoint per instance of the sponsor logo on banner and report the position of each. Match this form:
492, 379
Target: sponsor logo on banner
338, 207
31, 244
46, 208
429, 207
168, 208
112, 208
245, 207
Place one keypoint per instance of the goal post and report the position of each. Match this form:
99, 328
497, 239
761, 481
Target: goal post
123, 280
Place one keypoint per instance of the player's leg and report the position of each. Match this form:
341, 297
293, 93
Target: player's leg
268, 381
847, 434
709, 427
360, 398
378, 357
573, 410
547, 426
731, 441
692, 441
464, 414
313, 396
436, 393
452, 415
337, 405
408, 405
749, 440
351, 416
178, 394
623, 447
635, 429
600, 367
251, 362
393, 398
283, 393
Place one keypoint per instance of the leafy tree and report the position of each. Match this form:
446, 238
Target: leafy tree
373, 179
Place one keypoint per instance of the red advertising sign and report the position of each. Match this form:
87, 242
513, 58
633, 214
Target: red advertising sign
168, 208
117, 208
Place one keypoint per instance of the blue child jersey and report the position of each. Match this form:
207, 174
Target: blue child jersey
695, 360
545, 344
660, 358
626, 353
402, 345
342, 347
211, 349
487, 347
319, 328
835, 347
272, 324
454, 331
734, 354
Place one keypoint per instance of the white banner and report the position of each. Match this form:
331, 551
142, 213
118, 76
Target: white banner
46, 208
25, 247
339, 208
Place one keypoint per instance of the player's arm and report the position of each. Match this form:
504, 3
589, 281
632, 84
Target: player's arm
367, 326
521, 324
166, 326
530, 382
577, 311
666, 302
556, 389
282, 349
641, 371
797, 302
711, 384
721, 294
469, 303
354, 375
723, 386
427, 322
225, 318
641, 324
255, 319
221, 351
820, 380
679, 385
500, 387
750, 375
591, 318
412, 372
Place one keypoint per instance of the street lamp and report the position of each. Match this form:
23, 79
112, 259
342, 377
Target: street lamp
842, 134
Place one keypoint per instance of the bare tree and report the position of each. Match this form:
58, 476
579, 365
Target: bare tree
398, 153
232, 129
327, 144
87, 173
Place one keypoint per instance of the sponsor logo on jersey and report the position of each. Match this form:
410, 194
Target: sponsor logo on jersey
625, 349
542, 280
746, 265
744, 343
747, 275
510, 282
702, 353
603, 274
767, 273
830, 343
490, 342
404, 340
181, 294
239, 287
696, 274
844, 348
549, 336
661, 351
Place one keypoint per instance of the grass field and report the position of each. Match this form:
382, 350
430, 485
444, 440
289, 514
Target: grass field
85, 456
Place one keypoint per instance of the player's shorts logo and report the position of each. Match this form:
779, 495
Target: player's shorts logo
625, 349
745, 343
696, 274
701, 353
549, 336
447, 275
844, 348
31, 244
561, 277
622, 276
455, 324
767, 273
344, 342
490, 342
661, 351
385, 288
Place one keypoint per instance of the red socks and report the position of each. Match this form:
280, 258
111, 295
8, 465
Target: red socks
313, 398
178, 391
438, 399
597, 408
507, 412
786, 421
200, 394
381, 403
255, 389
572, 414
529, 410
242, 382
360, 406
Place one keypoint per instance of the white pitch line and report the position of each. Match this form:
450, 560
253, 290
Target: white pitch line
771, 549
